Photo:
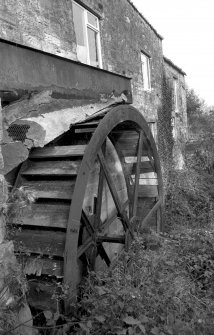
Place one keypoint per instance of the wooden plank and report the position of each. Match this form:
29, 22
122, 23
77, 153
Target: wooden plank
52, 168
45, 215
111, 238
32, 265
148, 191
145, 167
84, 130
133, 159
124, 134
91, 123
39, 242
129, 149
56, 189
58, 151
148, 181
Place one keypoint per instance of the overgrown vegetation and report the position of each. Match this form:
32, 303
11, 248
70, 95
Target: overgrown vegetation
13, 308
164, 285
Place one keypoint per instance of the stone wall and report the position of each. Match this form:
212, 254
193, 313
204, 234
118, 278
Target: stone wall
124, 34
48, 26
42, 24
178, 113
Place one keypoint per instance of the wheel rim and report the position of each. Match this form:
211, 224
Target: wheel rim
120, 116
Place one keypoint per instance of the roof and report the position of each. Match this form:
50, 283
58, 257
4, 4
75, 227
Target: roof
155, 31
168, 61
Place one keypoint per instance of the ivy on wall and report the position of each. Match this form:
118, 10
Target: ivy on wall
165, 136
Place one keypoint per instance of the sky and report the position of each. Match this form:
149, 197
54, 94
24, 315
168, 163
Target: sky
187, 27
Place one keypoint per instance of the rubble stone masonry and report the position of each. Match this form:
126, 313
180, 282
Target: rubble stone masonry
48, 26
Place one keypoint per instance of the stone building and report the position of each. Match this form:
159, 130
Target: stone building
176, 81
82, 56
112, 36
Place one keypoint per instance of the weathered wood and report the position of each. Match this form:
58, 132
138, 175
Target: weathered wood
137, 173
129, 150
149, 215
111, 238
148, 191
33, 265
114, 194
44, 215
97, 213
84, 130
39, 242
84, 247
52, 168
148, 181
58, 151
55, 189
91, 123
145, 167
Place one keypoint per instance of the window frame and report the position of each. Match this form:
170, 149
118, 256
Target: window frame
146, 71
175, 91
87, 25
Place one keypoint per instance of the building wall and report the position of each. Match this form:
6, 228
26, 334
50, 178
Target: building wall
124, 34
48, 26
178, 113
42, 24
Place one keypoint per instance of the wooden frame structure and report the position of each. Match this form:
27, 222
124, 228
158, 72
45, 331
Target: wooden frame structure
109, 170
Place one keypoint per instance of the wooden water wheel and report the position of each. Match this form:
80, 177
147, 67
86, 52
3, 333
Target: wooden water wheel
89, 185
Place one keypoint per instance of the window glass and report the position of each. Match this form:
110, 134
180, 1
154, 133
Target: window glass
86, 26
92, 43
145, 61
79, 26
78, 15
92, 19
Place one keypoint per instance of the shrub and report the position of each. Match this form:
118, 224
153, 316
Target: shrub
164, 290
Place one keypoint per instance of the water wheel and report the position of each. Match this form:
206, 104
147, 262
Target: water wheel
89, 184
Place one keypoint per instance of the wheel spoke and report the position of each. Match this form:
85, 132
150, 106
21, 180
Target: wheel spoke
87, 223
137, 173
101, 251
99, 194
114, 194
83, 248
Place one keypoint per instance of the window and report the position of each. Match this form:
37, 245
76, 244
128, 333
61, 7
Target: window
175, 88
86, 26
145, 62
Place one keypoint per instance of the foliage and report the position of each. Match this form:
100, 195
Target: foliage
189, 199
200, 119
13, 283
165, 137
195, 105
164, 285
